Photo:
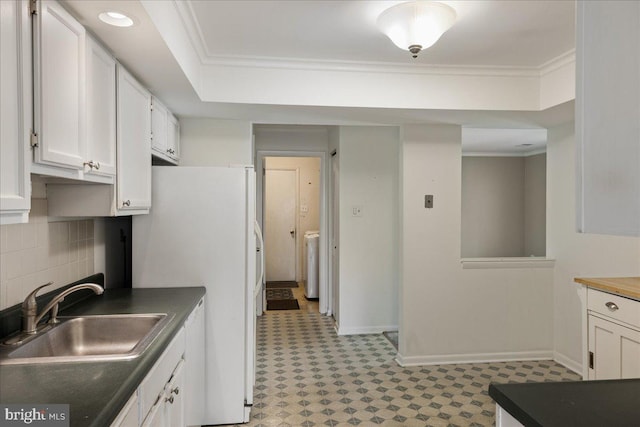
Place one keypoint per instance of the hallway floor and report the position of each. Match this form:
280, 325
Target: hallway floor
309, 376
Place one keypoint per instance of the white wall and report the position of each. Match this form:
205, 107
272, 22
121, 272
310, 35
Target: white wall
492, 207
576, 254
451, 314
291, 138
535, 205
213, 142
368, 244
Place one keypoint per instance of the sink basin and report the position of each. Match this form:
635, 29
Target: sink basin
89, 338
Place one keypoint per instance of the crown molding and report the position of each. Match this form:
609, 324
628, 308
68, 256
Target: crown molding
191, 26
557, 62
535, 152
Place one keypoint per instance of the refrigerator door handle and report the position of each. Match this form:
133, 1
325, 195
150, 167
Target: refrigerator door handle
258, 232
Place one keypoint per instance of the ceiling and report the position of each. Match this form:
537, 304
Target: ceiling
494, 34
488, 32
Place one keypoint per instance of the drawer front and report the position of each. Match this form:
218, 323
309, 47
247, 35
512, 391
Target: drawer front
616, 307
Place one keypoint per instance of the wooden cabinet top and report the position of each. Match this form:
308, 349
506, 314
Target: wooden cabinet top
624, 286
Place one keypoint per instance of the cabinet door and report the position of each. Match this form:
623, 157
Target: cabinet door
128, 417
15, 111
615, 349
60, 87
174, 398
156, 416
173, 137
101, 111
159, 116
194, 356
133, 144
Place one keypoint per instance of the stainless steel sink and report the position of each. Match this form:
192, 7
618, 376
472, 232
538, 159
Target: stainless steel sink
88, 338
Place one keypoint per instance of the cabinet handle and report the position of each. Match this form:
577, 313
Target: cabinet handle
176, 390
126, 203
169, 399
92, 164
612, 306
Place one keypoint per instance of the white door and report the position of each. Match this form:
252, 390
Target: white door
280, 225
335, 210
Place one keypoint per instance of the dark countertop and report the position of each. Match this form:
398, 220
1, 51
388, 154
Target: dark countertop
614, 403
97, 391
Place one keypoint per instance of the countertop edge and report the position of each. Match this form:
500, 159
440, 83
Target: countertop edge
511, 407
608, 284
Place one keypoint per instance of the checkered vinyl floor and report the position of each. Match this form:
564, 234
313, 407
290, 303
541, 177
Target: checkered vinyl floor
309, 376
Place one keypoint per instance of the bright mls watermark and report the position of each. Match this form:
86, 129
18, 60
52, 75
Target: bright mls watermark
34, 415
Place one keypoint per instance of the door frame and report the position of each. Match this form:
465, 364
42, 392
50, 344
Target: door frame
324, 301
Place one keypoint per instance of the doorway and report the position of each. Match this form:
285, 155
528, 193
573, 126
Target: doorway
292, 205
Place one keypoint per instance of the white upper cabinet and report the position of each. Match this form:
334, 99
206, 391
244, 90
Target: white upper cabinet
132, 193
608, 117
59, 54
173, 137
100, 158
15, 110
159, 117
166, 133
134, 144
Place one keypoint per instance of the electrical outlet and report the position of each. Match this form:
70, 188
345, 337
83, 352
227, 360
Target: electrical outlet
356, 211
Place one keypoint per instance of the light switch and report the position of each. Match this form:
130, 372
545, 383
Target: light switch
428, 201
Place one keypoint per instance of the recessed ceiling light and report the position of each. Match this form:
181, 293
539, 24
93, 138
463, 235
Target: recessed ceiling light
116, 19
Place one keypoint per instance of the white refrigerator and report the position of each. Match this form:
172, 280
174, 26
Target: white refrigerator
201, 231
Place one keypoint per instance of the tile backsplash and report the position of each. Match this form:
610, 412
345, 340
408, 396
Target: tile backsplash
40, 251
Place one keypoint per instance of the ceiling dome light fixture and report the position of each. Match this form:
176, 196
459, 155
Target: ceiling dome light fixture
416, 25
116, 19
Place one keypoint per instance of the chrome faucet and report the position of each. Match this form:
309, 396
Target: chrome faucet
30, 316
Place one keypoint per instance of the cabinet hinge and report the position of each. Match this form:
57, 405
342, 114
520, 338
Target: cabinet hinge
591, 357
34, 140
33, 7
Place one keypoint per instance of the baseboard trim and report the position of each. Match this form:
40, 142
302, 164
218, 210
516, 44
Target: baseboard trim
568, 363
449, 359
365, 330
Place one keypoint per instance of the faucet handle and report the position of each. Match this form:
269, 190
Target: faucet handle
30, 301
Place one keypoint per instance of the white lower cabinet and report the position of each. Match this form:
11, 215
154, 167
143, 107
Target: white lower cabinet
613, 336
172, 393
128, 417
194, 356
173, 398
